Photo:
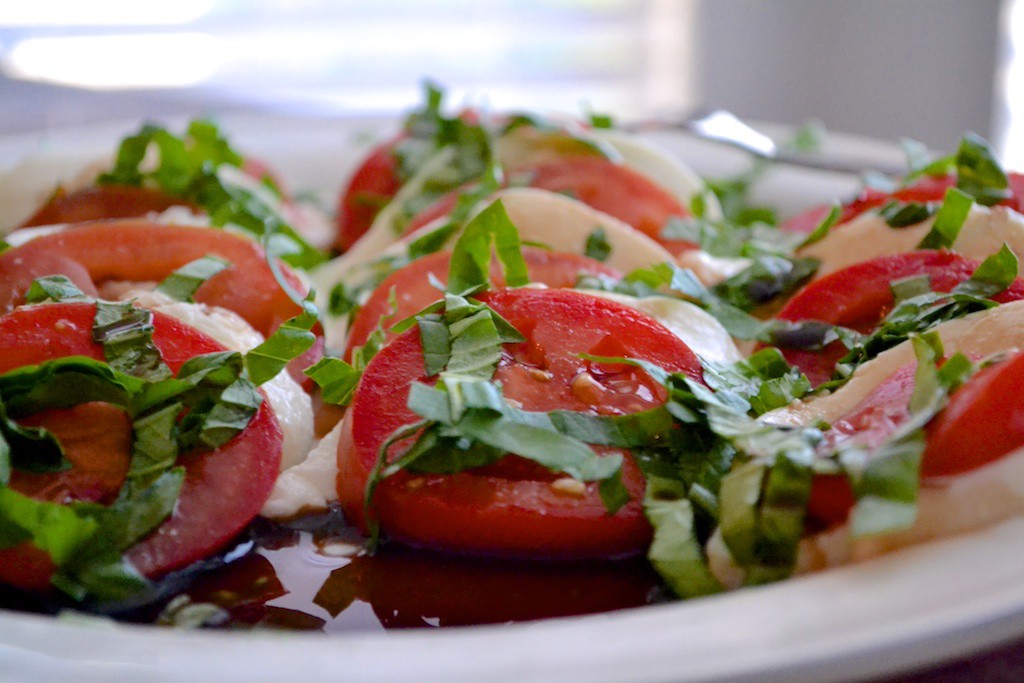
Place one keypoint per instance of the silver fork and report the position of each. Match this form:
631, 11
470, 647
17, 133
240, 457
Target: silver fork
725, 127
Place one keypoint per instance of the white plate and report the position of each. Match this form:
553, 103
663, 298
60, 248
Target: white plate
918, 606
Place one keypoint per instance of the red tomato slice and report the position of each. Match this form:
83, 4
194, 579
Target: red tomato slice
605, 185
414, 290
925, 189
372, 186
860, 296
513, 509
224, 489
140, 251
103, 202
983, 422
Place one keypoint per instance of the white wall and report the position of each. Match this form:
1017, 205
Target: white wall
891, 68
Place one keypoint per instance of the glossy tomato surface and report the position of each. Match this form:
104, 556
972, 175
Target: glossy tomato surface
224, 488
512, 508
860, 296
372, 186
413, 286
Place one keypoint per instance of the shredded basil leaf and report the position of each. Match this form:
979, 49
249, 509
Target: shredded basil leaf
978, 174
54, 288
183, 282
126, 333
471, 257
290, 340
597, 245
675, 551
188, 167
948, 220
901, 215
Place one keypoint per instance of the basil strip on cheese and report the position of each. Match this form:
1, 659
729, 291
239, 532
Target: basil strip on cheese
978, 174
597, 245
290, 340
471, 257
949, 219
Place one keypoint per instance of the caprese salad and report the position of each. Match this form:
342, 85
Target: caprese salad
525, 341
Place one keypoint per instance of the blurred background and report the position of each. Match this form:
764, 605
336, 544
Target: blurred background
927, 69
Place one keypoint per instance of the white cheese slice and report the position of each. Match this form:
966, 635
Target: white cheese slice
310, 485
709, 269
868, 236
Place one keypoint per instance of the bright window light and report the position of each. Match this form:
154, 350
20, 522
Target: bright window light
174, 60
102, 12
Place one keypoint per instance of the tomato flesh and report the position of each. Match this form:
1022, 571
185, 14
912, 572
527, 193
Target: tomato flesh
514, 509
98, 202
414, 289
224, 488
860, 296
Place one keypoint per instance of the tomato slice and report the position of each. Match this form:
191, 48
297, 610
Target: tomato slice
103, 202
414, 289
372, 186
860, 296
602, 184
516, 509
224, 488
92, 254
983, 422
925, 189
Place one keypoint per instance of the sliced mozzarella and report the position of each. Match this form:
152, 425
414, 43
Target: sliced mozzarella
292, 406
310, 485
868, 236
709, 269
958, 504
697, 329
